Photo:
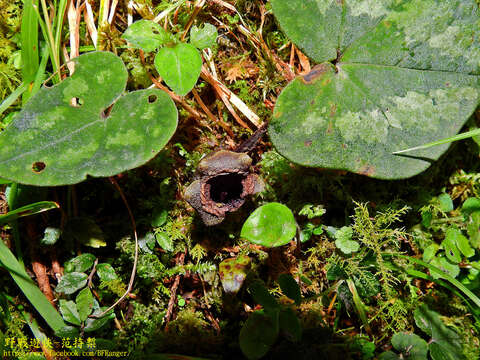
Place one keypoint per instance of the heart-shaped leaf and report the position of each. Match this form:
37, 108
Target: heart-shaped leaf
204, 37
65, 133
179, 66
147, 35
394, 74
343, 240
270, 225
445, 343
412, 346
69, 311
258, 335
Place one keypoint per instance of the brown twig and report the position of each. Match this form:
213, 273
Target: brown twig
38, 267
210, 114
196, 10
90, 276
178, 99
173, 290
223, 95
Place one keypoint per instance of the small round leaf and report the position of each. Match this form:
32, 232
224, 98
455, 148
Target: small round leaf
270, 225
146, 35
179, 66
204, 37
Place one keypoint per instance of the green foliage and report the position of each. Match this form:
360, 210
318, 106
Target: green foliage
178, 63
204, 37
410, 346
444, 343
270, 225
366, 99
86, 141
179, 66
262, 327
343, 240
77, 312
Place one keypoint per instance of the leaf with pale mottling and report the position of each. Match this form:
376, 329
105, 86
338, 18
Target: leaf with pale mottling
66, 132
147, 35
393, 74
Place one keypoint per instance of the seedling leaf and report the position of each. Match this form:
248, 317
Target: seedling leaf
204, 37
84, 302
147, 35
179, 66
343, 240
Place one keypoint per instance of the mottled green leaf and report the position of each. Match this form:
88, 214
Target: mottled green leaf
164, 241
203, 37
179, 66
106, 272
446, 203
411, 346
450, 245
69, 312
290, 287
445, 343
258, 335
343, 240
393, 74
50, 236
80, 263
71, 282
147, 35
233, 272
446, 266
84, 301
270, 225
65, 132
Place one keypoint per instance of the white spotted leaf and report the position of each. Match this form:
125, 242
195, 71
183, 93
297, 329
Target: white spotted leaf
54, 141
392, 74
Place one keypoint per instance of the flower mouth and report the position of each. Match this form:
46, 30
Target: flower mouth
226, 188
223, 193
